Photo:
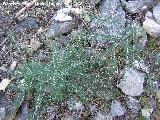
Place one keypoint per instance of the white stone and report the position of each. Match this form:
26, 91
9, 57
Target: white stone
117, 109
156, 13
132, 82
151, 27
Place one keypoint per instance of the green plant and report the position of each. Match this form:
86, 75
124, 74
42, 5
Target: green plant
72, 71
69, 72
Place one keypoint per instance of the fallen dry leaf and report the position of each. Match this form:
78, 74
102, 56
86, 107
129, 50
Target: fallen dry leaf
4, 83
34, 44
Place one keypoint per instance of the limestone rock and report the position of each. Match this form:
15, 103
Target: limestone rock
117, 109
61, 27
136, 6
2, 113
103, 116
111, 20
149, 15
132, 82
140, 35
140, 65
133, 104
27, 24
151, 27
146, 112
75, 105
35, 44
23, 113
156, 13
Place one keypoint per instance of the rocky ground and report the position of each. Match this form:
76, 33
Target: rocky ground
29, 36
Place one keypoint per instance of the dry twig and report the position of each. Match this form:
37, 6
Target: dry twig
26, 7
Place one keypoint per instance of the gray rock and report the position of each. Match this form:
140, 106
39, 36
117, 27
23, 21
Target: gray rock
140, 35
117, 109
7, 105
103, 116
28, 24
151, 27
133, 104
93, 2
63, 40
2, 113
75, 105
133, 6
72, 117
157, 58
3, 69
2, 108
158, 43
111, 20
149, 15
147, 113
140, 65
152, 103
4, 102
156, 13
43, 56
49, 112
3, 20
132, 82
136, 6
92, 108
58, 28
23, 113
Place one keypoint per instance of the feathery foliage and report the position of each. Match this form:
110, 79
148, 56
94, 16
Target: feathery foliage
73, 71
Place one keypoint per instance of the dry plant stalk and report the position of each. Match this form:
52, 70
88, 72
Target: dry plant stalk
26, 7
